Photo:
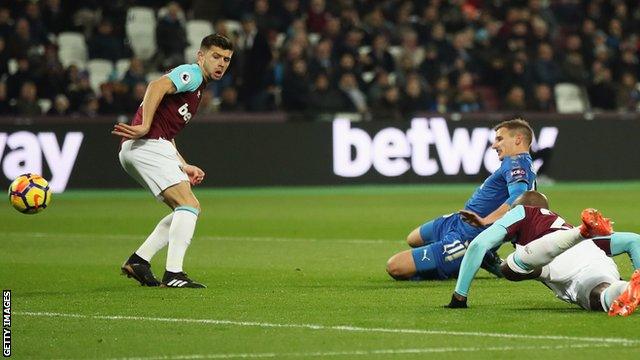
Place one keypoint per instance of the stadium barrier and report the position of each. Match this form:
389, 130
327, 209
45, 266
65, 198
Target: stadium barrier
429, 149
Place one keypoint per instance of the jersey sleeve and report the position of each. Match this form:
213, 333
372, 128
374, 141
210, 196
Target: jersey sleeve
186, 77
514, 171
512, 220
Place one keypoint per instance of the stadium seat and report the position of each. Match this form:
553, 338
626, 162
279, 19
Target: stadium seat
233, 27
122, 66
198, 29
190, 53
45, 105
142, 37
570, 98
364, 50
140, 14
12, 66
72, 49
99, 72
395, 51
313, 38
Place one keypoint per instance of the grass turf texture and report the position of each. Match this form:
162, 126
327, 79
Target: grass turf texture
276, 261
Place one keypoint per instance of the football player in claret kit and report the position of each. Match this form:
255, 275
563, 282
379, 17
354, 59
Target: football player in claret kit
148, 154
438, 245
573, 262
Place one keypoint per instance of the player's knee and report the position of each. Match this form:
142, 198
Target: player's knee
397, 268
414, 239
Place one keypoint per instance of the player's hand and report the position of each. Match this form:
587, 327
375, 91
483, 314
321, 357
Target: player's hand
471, 218
130, 131
457, 302
195, 174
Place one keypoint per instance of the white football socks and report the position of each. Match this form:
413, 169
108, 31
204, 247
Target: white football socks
181, 231
158, 239
543, 250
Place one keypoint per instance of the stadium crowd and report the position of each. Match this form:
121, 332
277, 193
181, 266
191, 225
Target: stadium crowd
389, 58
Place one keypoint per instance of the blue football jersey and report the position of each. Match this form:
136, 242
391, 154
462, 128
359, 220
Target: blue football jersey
494, 190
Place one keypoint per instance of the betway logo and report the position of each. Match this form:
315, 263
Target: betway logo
26, 150
393, 152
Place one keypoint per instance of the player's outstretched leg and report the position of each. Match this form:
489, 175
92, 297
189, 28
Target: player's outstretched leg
594, 224
139, 269
629, 300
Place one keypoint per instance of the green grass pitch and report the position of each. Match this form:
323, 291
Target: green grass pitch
292, 273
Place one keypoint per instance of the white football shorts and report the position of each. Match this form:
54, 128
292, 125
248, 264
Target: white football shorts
153, 163
574, 273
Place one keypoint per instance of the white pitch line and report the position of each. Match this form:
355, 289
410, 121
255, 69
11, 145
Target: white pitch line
205, 237
363, 352
347, 328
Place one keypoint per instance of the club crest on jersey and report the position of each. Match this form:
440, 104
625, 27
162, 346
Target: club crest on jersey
185, 77
198, 94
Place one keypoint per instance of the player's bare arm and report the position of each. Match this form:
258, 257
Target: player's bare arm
195, 174
156, 90
475, 219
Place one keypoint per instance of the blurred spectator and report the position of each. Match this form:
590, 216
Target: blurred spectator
90, 106
135, 74
317, 16
53, 79
4, 58
545, 68
602, 89
325, 98
133, 99
255, 56
27, 103
357, 101
543, 99
229, 100
21, 44
109, 102
628, 93
414, 97
54, 17
467, 101
22, 75
104, 44
295, 87
289, 11
37, 27
263, 17
387, 108
574, 70
322, 61
79, 89
6, 23
515, 100
379, 58
171, 37
207, 105
5, 106
60, 106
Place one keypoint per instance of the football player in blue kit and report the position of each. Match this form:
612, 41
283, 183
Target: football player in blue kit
439, 244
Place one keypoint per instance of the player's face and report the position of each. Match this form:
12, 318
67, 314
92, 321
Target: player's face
505, 143
214, 62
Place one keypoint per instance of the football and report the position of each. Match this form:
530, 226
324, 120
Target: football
29, 193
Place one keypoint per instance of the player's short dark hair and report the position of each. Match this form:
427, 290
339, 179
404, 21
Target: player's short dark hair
520, 125
218, 40
532, 198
